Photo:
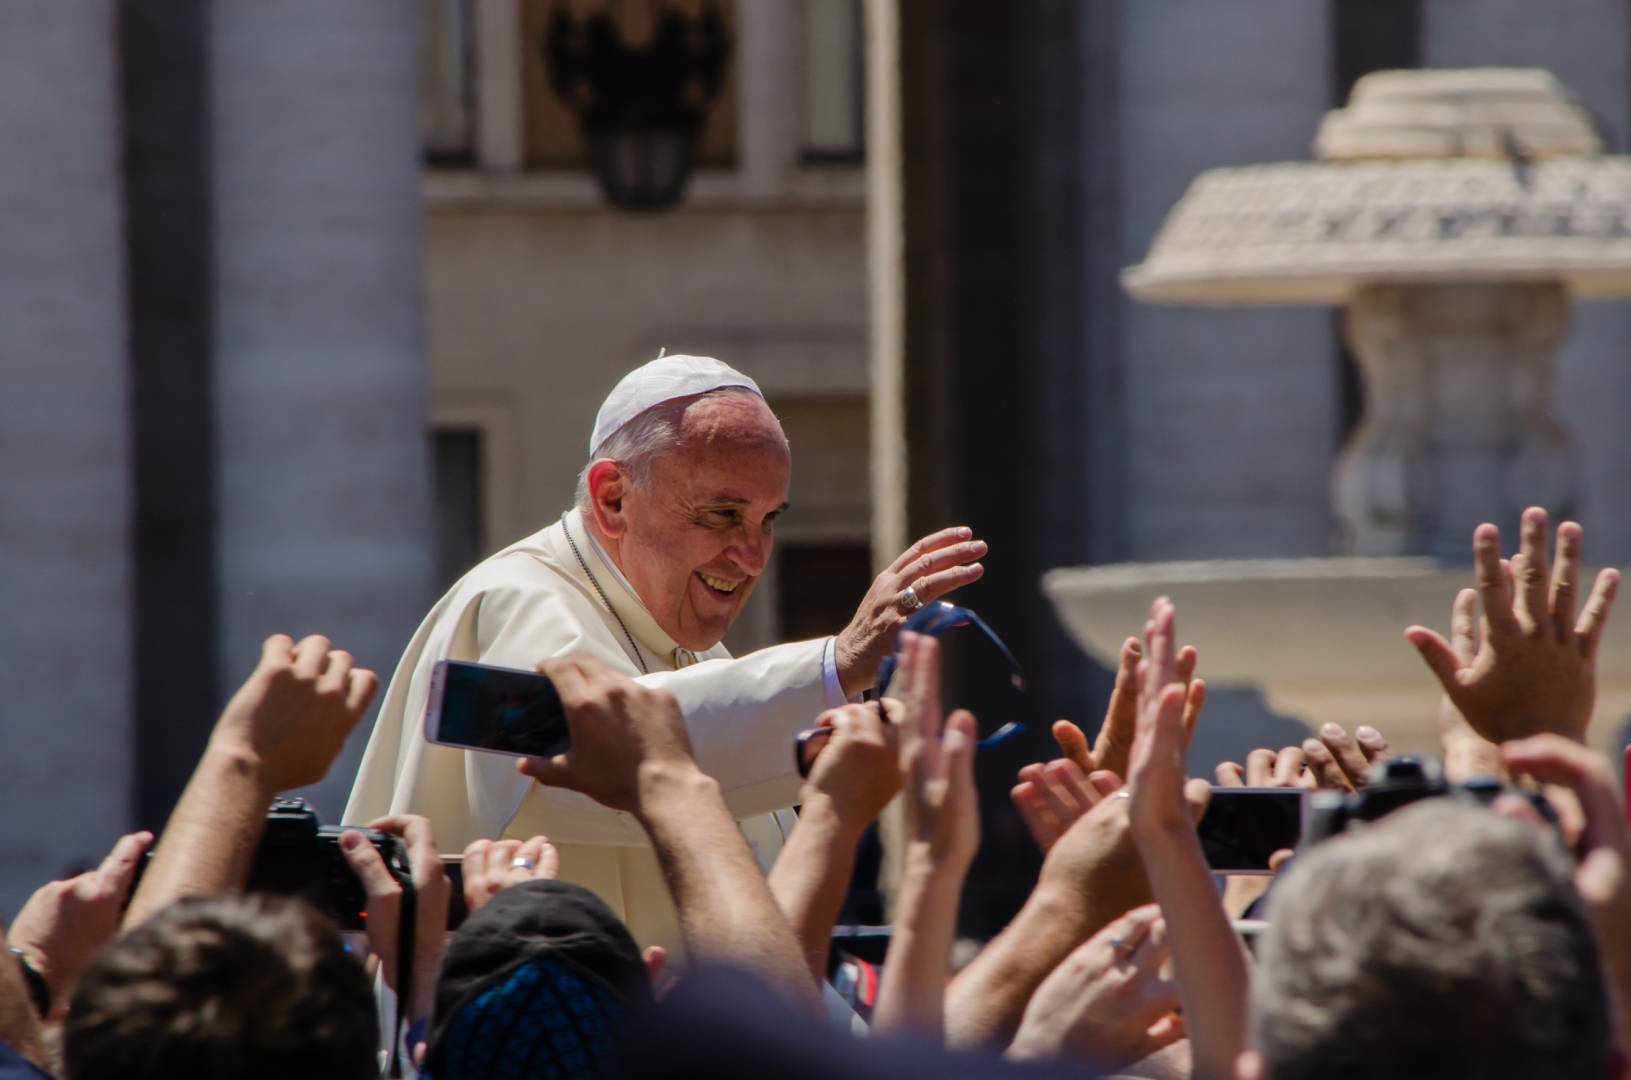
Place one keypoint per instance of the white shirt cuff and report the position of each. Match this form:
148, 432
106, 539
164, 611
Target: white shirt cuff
829, 677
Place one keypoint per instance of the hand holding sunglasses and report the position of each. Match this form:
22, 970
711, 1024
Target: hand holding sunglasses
932, 619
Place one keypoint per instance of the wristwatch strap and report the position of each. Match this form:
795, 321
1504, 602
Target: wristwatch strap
39, 991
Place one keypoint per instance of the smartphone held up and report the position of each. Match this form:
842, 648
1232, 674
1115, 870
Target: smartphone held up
1243, 827
494, 709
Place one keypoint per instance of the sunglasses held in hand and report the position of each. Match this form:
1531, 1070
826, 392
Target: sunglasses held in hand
932, 619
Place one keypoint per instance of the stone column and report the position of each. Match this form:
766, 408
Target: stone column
1460, 419
65, 677
319, 356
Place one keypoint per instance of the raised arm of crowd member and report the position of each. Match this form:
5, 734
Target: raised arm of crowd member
1210, 965
1334, 761
1091, 875
66, 923
852, 780
1338, 762
630, 751
1535, 667
490, 866
1604, 851
1115, 739
281, 730
942, 835
1466, 753
432, 892
1051, 795
19, 1023
1107, 1005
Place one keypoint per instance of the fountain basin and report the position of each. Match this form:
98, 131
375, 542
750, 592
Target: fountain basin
1321, 638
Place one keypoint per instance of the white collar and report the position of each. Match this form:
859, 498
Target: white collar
610, 565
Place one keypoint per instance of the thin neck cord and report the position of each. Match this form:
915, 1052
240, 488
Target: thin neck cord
638, 659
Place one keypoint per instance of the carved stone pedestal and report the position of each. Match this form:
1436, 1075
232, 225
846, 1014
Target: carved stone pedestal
1460, 424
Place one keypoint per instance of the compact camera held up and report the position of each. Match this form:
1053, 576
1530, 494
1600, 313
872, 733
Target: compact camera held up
1399, 781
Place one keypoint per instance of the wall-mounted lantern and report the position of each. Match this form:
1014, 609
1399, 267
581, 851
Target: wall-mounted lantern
641, 108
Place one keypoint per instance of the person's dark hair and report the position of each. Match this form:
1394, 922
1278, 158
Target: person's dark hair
1443, 941
230, 986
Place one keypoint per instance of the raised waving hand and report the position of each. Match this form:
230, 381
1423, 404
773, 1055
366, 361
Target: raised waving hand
1534, 669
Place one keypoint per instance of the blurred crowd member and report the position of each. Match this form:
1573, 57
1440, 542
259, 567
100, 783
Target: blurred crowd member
228, 986
1444, 940
23, 1053
210, 984
671, 531
542, 980
65, 923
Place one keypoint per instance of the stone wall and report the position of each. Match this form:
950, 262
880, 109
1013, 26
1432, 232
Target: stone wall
65, 499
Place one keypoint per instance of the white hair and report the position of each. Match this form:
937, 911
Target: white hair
638, 444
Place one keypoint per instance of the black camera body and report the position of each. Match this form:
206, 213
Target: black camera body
1399, 781
300, 856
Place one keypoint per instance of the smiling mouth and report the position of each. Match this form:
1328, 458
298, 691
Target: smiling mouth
718, 584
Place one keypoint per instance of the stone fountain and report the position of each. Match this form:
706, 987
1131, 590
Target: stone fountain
1454, 216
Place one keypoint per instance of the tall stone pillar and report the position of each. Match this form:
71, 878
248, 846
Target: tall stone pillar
65, 668
319, 356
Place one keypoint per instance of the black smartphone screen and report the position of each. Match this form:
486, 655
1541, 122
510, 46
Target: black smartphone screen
1242, 827
498, 709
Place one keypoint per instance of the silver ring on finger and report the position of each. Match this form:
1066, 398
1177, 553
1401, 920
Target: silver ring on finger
522, 863
1120, 944
909, 599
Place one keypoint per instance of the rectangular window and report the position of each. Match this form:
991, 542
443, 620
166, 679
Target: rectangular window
447, 124
461, 539
834, 75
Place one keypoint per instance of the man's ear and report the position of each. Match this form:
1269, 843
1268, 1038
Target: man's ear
608, 487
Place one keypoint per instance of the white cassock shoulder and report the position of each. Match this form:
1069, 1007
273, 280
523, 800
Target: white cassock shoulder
519, 607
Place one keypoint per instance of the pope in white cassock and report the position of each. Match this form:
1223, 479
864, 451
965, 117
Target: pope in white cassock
671, 530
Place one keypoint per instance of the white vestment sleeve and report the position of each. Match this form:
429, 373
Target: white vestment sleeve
830, 685
743, 715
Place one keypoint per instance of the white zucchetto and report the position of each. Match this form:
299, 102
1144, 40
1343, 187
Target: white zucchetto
664, 379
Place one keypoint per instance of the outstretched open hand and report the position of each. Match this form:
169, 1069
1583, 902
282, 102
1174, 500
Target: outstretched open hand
1107, 1005
1156, 776
1534, 669
1115, 739
937, 760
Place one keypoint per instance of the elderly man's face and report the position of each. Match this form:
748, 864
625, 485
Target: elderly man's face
695, 540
